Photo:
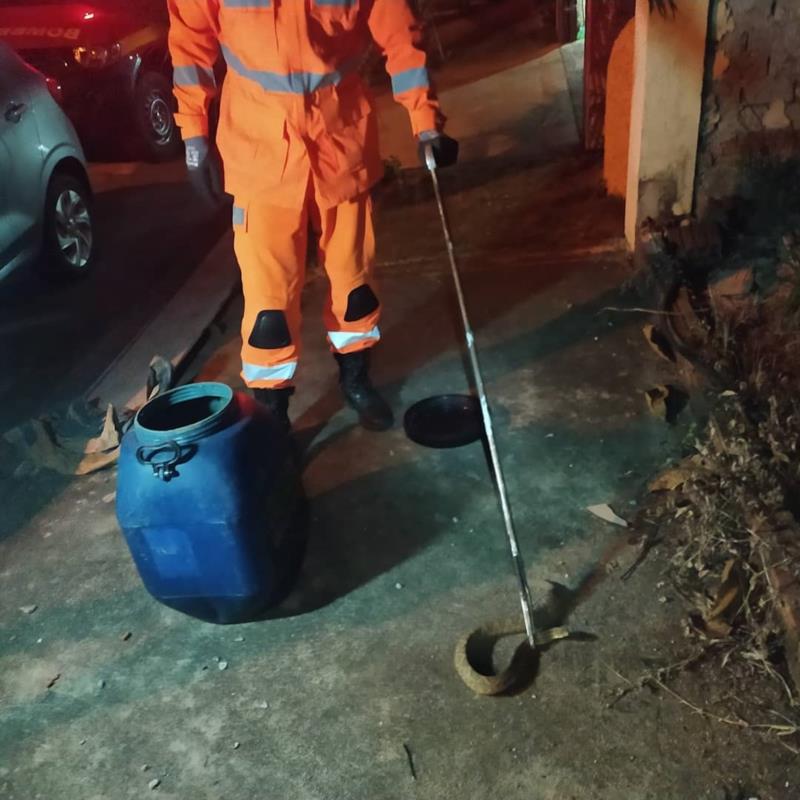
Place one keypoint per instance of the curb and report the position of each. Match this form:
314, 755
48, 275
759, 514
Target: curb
175, 333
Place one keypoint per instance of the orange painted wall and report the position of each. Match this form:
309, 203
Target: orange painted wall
617, 125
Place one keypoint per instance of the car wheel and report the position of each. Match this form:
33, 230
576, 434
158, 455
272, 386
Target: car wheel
159, 136
69, 246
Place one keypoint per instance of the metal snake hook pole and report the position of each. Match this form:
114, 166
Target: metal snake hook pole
486, 414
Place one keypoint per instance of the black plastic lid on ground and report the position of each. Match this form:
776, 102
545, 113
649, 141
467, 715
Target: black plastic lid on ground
445, 420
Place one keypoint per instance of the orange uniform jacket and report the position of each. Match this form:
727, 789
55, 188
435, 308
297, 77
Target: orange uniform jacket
293, 103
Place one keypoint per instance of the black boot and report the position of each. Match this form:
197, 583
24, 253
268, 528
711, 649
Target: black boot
277, 401
373, 411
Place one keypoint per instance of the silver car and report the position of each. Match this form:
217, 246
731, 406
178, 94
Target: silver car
45, 195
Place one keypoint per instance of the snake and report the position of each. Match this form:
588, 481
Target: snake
473, 656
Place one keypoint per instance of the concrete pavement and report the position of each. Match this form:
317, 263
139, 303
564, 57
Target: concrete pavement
484, 114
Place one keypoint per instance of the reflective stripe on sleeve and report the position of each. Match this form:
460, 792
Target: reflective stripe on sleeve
194, 75
409, 79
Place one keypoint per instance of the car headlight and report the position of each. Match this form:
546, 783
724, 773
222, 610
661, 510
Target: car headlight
97, 56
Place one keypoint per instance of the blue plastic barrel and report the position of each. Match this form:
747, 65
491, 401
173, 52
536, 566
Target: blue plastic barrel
210, 502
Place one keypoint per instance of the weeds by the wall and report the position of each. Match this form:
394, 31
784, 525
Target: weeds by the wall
729, 512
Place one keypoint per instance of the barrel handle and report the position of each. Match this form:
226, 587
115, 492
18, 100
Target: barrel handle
163, 469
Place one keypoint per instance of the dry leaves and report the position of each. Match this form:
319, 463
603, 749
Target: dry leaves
734, 284
607, 514
718, 621
659, 343
40, 446
725, 509
729, 514
670, 480
674, 478
666, 401
657, 401
102, 451
109, 437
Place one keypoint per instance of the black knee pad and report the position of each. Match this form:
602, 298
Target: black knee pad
270, 331
361, 302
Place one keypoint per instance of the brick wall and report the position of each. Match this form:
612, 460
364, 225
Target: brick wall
751, 106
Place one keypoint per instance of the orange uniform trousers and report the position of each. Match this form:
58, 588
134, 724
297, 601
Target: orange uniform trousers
271, 244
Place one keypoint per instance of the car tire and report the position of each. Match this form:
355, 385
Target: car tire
69, 241
158, 134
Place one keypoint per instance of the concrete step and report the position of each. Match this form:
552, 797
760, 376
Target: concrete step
175, 332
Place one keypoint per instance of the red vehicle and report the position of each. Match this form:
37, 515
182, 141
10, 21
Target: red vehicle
111, 63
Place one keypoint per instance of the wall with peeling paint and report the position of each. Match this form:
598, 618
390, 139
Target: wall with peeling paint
751, 105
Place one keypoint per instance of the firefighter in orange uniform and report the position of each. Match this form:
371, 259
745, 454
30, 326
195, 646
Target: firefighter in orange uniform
298, 140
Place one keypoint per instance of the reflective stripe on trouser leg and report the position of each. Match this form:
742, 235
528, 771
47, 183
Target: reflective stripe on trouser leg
348, 341
347, 251
270, 245
279, 374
